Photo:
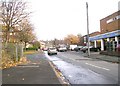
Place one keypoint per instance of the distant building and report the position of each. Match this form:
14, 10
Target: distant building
28, 45
42, 45
94, 33
83, 39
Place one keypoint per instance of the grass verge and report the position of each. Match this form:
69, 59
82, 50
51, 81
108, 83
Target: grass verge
31, 52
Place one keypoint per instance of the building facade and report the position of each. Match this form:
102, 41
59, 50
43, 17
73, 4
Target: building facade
110, 23
83, 39
110, 32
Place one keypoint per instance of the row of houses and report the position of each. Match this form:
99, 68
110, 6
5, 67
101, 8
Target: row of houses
109, 35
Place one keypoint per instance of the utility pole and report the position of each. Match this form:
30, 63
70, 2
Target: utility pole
88, 41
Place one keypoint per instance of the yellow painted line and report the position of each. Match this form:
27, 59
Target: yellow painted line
59, 75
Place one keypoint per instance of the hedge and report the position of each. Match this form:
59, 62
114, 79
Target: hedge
31, 48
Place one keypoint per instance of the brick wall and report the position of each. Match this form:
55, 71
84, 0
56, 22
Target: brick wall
94, 33
110, 23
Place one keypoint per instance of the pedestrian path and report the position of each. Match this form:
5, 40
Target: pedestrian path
96, 55
38, 71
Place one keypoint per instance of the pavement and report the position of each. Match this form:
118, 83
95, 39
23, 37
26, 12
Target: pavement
97, 55
38, 71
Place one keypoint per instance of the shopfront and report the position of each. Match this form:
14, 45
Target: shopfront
107, 41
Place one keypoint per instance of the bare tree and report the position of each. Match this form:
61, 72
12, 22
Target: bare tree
26, 32
13, 12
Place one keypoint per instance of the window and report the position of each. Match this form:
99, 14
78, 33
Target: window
113, 19
110, 20
118, 17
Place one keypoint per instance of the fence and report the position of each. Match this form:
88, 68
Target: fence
14, 50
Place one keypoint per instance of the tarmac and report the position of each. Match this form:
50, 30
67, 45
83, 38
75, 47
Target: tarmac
38, 71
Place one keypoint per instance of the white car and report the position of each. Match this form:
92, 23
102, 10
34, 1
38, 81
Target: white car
52, 50
62, 49
72, 47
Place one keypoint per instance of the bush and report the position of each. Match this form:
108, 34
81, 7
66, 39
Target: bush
6, 59
31, 48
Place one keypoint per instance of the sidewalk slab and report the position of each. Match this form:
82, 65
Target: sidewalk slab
97, 55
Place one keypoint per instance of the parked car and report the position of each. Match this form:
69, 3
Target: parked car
71, 47
78, 48
62, 49
85, 49
52, 50
45, 49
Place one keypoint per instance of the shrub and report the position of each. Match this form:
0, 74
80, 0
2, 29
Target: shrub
31, 48
6, 59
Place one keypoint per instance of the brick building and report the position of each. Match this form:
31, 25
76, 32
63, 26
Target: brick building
110, 23
110, 32
83, 39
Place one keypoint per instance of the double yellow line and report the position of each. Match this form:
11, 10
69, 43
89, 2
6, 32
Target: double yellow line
59, 75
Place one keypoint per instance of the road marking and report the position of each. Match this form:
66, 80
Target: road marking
23, 79
34, 63
69, 76
97, 66
27, 66
59, 75
8, 74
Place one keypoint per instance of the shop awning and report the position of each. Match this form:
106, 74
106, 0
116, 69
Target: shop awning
106, 35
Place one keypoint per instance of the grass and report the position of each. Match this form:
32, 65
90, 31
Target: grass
31, 52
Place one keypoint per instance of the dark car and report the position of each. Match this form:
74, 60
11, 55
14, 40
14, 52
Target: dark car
85, 49
78, 48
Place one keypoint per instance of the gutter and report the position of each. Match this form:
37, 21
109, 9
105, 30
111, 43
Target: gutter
60, 76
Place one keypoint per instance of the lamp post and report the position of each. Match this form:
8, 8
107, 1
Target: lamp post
87, 29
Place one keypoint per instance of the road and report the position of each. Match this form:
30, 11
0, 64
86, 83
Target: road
82, 70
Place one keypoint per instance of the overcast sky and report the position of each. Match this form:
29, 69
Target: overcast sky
58, 18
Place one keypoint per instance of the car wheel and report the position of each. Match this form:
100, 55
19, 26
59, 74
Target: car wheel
97, 50
84, 51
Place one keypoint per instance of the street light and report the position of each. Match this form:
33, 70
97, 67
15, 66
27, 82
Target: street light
87, 29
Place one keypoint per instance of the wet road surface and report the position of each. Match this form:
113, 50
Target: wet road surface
79, 74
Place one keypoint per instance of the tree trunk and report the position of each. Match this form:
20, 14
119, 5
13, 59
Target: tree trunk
25, 45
